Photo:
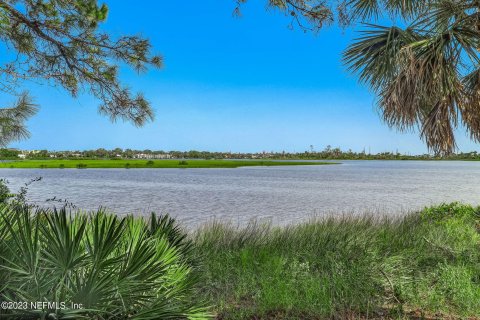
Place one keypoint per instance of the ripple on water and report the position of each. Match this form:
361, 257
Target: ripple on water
280, 194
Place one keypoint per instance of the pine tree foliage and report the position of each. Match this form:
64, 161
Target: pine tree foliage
308, 15
12, 120
59, 42
425, 75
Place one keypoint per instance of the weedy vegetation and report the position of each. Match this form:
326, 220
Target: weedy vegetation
421, 265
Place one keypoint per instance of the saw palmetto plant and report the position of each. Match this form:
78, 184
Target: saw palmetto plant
99, 265
426, 75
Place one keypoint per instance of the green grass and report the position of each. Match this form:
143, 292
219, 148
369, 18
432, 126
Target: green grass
85, 164
424, 264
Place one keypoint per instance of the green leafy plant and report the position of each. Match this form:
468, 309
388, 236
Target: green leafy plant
112, 267
346, 267
425, 75
4, 191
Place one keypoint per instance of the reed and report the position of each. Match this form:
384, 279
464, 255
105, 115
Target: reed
425, 263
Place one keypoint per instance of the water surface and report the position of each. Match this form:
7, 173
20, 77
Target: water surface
282, 194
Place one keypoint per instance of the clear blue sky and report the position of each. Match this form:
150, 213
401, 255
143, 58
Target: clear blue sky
228, 84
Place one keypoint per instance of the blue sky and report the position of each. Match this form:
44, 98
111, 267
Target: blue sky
229, 84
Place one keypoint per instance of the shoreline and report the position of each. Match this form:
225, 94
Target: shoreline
146, 164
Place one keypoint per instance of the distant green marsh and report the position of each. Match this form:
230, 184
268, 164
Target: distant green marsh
129, 163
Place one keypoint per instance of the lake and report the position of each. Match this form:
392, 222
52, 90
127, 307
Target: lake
281, 194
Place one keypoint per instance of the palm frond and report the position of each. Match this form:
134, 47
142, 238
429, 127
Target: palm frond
470, 106
417, 75
375, 55
116, 268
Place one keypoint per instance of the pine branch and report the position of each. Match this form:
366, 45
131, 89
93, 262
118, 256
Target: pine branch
12, 120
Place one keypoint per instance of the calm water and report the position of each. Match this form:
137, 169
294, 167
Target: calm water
280, 194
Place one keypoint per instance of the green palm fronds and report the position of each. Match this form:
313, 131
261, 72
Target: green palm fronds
114, 268
425, 75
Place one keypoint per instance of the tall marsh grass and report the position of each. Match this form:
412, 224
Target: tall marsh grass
426, 263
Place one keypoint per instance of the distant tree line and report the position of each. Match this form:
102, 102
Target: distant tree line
327, 153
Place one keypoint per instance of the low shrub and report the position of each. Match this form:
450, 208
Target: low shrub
112, 267
81, 166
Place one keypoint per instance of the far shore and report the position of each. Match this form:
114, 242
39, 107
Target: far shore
145, 163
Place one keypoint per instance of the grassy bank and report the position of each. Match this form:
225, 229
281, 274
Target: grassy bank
424, 265
85, 164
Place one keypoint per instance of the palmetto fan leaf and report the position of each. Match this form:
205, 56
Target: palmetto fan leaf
116, 268
374, 54
421, 73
